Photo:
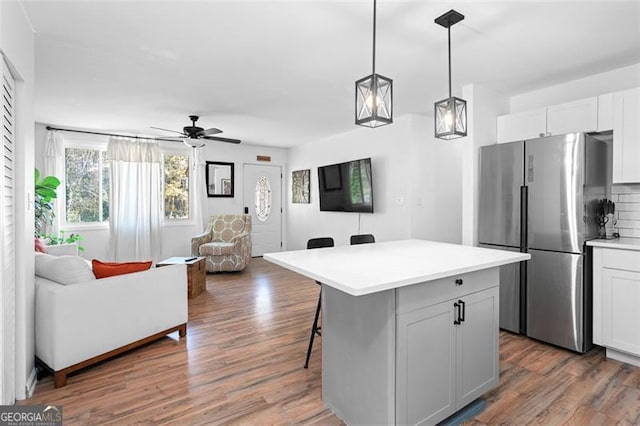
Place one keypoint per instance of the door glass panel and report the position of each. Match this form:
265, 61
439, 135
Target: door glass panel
263, 199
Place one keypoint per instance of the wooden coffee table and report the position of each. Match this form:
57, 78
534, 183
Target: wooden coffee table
196, 273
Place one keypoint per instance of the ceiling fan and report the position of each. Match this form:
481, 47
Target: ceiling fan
193, 135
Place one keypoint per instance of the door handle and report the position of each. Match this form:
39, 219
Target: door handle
246, 210
456, 321
462, 305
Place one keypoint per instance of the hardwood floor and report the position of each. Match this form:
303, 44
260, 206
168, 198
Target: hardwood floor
242, 359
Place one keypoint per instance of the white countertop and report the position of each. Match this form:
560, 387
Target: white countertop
369, 268
618, 243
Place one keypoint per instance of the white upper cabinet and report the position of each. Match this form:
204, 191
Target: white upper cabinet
626, 136
575, 116
605, 112
522, 125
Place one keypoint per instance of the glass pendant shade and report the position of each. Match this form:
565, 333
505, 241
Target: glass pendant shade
450, 118
374, 101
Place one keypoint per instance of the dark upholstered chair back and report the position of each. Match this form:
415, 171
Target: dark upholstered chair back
314, 243
362, 239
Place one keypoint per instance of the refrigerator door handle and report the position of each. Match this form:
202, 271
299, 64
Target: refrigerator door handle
524, 206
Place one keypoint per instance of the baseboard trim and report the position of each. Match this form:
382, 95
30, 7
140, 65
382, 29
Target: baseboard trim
623, 357
30, 387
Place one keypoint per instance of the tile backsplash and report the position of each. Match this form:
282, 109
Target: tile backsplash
627, 199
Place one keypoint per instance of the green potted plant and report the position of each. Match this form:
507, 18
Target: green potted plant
45, 192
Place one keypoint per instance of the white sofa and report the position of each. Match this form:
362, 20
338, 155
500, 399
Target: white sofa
81, 323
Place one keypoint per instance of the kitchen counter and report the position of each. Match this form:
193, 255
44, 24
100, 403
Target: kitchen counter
370, 268
409, 328
618, 243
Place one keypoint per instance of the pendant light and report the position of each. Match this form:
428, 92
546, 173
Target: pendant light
374, 103
450, 114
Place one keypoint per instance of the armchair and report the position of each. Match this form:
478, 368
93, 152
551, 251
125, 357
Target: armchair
226, 244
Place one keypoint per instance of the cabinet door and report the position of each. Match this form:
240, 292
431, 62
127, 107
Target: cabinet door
425, 375
626, 136
605, 112
477, 357
621, 310
522, 125
576, 116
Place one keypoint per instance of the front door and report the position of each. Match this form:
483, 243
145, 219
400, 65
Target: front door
263, 201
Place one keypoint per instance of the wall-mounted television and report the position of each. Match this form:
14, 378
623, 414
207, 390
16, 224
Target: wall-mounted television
346, 187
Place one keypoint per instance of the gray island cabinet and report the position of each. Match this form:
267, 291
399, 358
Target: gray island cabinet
410, 328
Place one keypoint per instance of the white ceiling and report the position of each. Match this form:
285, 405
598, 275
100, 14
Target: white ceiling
281, 73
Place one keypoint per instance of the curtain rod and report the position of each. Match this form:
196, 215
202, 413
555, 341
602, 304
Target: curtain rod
108, 134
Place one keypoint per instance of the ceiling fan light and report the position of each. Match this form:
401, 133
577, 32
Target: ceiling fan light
374, 101
193, 142
450, 118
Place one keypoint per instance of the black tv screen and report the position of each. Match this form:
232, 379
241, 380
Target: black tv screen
346, 187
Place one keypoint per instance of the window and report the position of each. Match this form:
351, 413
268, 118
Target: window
87, 179
86, 186
176, 186
263, 199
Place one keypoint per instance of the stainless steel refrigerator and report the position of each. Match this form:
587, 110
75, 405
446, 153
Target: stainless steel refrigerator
534, 197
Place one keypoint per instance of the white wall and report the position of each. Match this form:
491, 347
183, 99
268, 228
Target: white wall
175, 237
17, 46
436, 167
483, 106
598, 84
416, 185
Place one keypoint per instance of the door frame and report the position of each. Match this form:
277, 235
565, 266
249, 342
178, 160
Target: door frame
282, 167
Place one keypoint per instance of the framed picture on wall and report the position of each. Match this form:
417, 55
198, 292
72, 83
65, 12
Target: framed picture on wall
300, 186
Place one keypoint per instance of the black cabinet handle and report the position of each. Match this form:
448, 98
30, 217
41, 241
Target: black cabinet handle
459, 281
457, 313
462, 304
246, 210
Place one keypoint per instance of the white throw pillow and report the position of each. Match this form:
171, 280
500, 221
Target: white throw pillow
63, 269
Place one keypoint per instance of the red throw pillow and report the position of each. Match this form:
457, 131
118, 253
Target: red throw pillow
110, 269
39, 245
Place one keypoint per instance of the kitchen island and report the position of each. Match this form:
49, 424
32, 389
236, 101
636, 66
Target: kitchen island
409, 328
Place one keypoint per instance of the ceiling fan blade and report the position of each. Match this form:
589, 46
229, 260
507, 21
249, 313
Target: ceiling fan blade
209, 132
221, 139
168, 130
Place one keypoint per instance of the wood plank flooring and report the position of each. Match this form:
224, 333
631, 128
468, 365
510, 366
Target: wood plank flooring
241, 363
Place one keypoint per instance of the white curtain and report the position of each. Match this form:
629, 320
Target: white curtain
199, 191
135, 205
53, 166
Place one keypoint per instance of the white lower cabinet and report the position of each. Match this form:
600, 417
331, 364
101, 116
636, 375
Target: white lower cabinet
616, 303
621, 310
447, 356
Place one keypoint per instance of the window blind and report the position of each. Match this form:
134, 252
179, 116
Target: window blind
7, 247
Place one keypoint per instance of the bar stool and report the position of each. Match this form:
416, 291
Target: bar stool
313, 244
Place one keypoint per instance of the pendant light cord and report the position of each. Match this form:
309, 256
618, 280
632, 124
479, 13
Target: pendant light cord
373, 65
449, 36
